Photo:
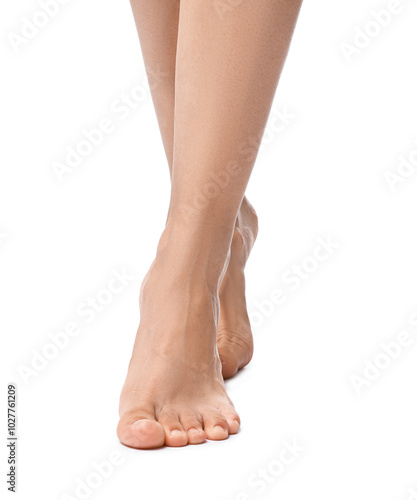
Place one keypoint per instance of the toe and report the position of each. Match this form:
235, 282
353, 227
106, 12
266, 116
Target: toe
140, 430
196, 436
232, 418
175, 434
192, 425
215, 425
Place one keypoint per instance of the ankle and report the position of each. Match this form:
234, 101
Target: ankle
191, 250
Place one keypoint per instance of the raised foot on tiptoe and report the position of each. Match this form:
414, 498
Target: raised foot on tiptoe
234, 337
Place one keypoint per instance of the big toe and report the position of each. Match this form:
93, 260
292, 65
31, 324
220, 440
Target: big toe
143, 433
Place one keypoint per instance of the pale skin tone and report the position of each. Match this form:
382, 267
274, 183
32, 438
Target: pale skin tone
220, 66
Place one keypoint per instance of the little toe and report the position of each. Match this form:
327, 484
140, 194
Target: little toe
233, 420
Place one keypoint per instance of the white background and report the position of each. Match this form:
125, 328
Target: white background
322, 175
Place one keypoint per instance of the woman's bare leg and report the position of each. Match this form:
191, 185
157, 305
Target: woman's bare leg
227, 69
157, 25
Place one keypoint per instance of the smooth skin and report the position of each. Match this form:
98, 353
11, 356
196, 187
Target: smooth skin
220, 66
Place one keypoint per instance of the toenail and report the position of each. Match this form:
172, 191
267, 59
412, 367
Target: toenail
219, 428
176, 432
193, 430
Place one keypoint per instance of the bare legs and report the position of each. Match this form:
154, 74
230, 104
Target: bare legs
157, 24
222, 72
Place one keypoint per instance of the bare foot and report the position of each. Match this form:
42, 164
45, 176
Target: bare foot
234, 338
174, 392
